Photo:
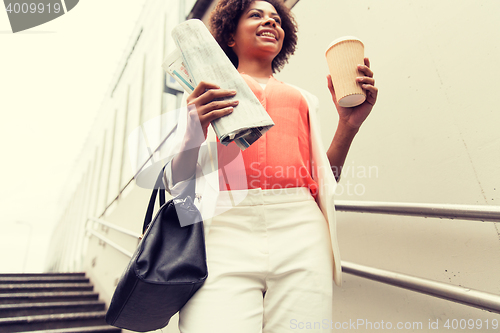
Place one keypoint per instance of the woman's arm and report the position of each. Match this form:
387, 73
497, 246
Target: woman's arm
350, 119
203, 108
337, 152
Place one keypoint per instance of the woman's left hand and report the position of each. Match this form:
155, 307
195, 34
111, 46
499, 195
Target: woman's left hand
355, 116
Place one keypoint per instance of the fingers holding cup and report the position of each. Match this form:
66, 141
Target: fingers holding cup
367, 82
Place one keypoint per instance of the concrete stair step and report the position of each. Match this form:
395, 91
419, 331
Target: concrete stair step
44, 287
32, 309
52, 321
43, 279
91, 329
51, 303
8, 275
43, 297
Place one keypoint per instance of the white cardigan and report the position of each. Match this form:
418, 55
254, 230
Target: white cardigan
207, 177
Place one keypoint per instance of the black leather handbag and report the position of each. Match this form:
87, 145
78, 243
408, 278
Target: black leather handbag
167, 268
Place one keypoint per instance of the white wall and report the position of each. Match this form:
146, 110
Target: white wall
432, 133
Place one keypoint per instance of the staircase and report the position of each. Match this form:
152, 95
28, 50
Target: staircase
56, 303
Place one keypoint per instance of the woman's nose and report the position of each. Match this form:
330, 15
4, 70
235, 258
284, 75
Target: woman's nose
270, 21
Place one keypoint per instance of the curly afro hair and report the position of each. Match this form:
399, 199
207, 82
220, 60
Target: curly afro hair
224, 21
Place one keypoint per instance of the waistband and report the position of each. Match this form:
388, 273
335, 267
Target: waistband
258, 196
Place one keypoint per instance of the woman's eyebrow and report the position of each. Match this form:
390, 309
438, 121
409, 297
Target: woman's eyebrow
261, 11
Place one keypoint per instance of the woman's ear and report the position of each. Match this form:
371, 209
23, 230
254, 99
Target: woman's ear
231, 42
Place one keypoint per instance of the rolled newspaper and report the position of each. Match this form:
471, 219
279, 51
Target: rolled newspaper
204, 60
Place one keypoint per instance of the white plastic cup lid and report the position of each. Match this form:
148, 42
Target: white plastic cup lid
341, 39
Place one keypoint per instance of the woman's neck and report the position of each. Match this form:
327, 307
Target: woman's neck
256, 69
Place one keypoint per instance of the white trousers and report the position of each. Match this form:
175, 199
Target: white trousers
269, 267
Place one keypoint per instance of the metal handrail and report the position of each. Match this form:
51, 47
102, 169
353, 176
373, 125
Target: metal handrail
115, 227
111, 243
450, 211
467, 296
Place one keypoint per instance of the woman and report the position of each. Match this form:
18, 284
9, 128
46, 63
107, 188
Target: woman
272, 255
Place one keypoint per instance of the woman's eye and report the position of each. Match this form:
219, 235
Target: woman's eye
255, 15
278, 20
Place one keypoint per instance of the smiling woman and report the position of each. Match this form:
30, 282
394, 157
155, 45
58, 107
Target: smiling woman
272, 258
434, 139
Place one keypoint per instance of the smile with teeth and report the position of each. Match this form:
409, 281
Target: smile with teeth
268, 34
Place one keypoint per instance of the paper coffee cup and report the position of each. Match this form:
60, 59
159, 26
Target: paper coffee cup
343, 56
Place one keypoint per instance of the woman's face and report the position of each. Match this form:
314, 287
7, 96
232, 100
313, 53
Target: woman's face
259, 33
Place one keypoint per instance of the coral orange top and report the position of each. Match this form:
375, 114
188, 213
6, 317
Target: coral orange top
281, 157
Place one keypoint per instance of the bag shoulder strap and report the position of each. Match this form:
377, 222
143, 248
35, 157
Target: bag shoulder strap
159, 186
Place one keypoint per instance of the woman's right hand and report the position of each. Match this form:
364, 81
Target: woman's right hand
203, 108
